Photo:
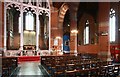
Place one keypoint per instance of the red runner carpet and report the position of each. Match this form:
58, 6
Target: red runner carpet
28, 58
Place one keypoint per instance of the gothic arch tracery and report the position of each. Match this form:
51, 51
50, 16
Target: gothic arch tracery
37, 6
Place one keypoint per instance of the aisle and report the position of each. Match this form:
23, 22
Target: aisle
29, 68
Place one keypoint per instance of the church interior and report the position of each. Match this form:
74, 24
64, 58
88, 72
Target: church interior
44, 38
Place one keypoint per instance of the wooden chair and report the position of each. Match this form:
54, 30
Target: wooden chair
116, 69
103, 68
59, 71
111, 70
8, 65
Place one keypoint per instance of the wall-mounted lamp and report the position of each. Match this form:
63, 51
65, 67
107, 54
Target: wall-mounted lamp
68, 24
118, 29
104, 33
58, 37
74, 31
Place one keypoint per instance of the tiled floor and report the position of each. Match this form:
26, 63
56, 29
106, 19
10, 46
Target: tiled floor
29, 68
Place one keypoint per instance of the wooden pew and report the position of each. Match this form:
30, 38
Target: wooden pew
79, 66
8, 65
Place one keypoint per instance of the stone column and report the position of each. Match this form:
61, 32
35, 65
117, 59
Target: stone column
49, 31
73, 33
5, 28
60, 29
21, 34
37, 32
104, 44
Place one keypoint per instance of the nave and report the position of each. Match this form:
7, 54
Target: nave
53, 32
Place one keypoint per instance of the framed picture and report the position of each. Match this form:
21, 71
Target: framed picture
55, 42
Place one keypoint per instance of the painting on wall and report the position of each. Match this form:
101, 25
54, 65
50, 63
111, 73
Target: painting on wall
55, 42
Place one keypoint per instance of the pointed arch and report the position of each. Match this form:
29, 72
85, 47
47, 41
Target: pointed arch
62, 12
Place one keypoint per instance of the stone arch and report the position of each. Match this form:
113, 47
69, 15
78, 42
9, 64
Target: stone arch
62, 12
61, 15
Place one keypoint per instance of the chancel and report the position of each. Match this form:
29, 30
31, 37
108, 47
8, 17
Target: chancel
59, 38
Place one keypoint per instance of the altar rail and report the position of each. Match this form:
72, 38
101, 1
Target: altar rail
26, 53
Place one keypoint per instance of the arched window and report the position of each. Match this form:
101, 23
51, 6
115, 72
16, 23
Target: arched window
29, 21
112, 25
86, 33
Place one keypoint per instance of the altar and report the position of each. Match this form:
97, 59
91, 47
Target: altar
29, 52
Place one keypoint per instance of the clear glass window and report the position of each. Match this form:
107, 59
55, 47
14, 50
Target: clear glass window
86, 33
112, 25
29, 21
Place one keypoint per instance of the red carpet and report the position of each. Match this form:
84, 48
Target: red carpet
28, 58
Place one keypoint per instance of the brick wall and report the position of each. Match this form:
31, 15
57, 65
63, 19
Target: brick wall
1, 24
